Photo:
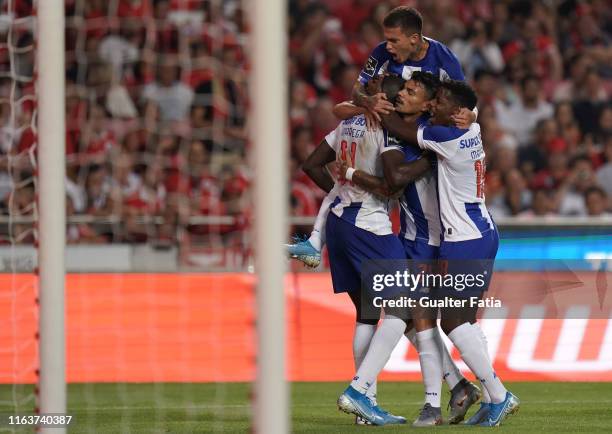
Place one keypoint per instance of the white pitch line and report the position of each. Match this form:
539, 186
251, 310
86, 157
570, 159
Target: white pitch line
221, 406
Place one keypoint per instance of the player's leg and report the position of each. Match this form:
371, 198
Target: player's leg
429, 346
434, 357
482, 413
364, 331
384, 341
458, 325
346, 279
363, 246
309, 251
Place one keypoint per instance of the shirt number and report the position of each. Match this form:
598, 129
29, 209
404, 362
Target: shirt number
480, 168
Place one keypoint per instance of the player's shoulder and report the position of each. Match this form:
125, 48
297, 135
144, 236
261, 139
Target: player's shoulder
443, 133
442, 52
439, 47
381, 50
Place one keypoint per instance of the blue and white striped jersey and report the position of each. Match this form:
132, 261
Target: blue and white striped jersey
361, 149
461, 173
419, 209
439, 60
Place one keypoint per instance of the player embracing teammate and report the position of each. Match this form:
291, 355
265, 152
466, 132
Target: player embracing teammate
460, 220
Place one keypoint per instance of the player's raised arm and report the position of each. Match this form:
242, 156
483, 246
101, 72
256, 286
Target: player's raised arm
315, 166
347, 110
369, 95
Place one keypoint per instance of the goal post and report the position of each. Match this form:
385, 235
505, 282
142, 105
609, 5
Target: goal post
52, 208
269, 121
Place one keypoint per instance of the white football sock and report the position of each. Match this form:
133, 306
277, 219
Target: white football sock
361, 342
431, 365
317, 236
470, 345
384, 341
485, 395
450, 372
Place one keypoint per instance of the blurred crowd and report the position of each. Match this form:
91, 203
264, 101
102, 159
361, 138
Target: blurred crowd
157, 102
542, 71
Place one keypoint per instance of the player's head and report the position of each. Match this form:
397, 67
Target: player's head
403, 28
418, 93
391, 86
452, 96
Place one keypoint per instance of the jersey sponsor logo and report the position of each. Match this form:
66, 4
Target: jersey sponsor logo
370, 66
469, 143
407, 71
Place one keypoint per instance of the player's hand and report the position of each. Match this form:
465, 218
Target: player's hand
342, 168
464, 118
374, 86
379, 105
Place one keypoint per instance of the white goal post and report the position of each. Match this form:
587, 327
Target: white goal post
269, 120
52, 208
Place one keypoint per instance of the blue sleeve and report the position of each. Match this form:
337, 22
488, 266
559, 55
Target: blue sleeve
436, 138
377, 58
450, 63
440, 133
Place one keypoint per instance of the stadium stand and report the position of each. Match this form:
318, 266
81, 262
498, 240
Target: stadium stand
157, 103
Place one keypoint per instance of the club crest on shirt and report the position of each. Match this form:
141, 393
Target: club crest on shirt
370, 66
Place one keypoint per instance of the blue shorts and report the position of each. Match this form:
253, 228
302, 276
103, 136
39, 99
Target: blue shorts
480, 248
419, 249
475, 257
349, 246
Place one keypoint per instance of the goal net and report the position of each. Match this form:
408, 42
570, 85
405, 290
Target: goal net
18, 189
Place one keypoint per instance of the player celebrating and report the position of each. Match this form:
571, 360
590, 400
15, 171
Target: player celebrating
360, 223
468, 230
404, 51
420, 235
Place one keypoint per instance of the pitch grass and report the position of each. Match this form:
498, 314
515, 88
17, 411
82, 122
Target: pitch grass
225, 408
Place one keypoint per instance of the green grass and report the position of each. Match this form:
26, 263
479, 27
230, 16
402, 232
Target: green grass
198, 408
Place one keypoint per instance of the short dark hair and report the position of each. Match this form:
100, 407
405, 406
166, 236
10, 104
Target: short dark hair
461, 93
391, 86
595, 189
406, 18
430, 82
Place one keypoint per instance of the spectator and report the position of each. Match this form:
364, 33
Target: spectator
596, 202
590, 102
521, 117
542, 205
604, 173
167, 93
571, 194
478, 51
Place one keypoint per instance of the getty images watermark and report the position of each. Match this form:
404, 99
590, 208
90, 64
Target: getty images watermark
427, 289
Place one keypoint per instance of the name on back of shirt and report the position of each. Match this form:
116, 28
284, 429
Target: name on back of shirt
355, 133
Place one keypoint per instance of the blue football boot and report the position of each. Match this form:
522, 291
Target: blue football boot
303, 251
391, 419
351, 401
498, 412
